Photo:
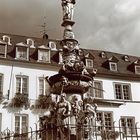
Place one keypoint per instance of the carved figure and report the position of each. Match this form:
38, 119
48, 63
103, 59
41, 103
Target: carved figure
91, 109
88, 120
68, 34
71, 47
63, 107
63, 110
75, 104
68, 9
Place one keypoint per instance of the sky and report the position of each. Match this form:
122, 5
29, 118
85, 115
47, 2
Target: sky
110, 25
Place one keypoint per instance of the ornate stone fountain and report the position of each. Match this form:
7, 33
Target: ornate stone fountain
69, 117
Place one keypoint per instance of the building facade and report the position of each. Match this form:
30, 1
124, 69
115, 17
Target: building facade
25, 62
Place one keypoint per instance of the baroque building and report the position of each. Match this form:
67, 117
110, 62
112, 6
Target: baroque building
26, 61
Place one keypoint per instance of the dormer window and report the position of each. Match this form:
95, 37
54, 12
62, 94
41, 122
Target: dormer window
137, 69
30, 42
126, 58
22, 51
103, 54
52, 45
44, 55
3, 49
7, 39
113, 66
89, 63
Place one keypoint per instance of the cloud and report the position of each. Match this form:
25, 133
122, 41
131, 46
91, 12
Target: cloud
112, 25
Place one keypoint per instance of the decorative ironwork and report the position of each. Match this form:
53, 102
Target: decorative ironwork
55, 132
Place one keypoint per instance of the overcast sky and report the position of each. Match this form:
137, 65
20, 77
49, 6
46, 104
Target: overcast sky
111, 25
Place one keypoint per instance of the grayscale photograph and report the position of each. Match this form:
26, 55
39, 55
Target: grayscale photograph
69, 69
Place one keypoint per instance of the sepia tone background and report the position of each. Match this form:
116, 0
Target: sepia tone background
112, 25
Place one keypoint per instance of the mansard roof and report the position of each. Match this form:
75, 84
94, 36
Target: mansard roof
123, 66
125, 70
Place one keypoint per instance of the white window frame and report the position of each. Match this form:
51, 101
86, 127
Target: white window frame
54, 45
27, 52
21, 86
103, 54
126, 58
115, 64
30, 42
103, 125
5, 51
91, 61
8, 38
44, 86
137, 69
92, 90
20, 122
47, 51
122, 91
126, 129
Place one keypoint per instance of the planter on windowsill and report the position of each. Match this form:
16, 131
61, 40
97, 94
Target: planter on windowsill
42, 103
19, 101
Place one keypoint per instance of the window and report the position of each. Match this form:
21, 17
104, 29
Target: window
128, 125
21, 124
30, 42
44, 55
22, 53
1, 85
3, 50
106, 119
89, 63
122, 91
22, 84
126, 58
137, 69
103, 54
42, 86
113, 66
7, 39
97, 90
52, 45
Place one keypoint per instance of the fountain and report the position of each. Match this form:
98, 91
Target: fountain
70, 116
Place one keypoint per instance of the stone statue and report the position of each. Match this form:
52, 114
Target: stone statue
68, 9
68, 34
71, 47
63, 110
63, 107
75, 104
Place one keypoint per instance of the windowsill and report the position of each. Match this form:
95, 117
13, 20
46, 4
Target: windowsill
60, 63
89, 67
41, 61
104, 102
137, 73
124, 100
21, 59
2, 56
114, 70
